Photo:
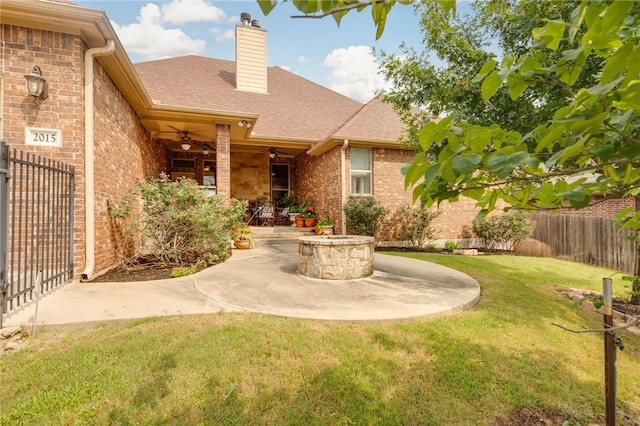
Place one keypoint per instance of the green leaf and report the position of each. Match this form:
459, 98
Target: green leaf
474, 194
604, 152
617, 63
568, 152
434, 132
502, 165
490, 85
603, 89
572, 54
551, 34
629, 97
477, 138
432, 172
466, 164
267, 5
488, 67
553, 135
517, 85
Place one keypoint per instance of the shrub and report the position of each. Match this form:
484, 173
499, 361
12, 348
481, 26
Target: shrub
178, 223
363, 216
508, 230
182, 271
413, 225
452, 245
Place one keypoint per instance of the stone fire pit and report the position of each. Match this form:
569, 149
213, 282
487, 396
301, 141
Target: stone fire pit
336, 257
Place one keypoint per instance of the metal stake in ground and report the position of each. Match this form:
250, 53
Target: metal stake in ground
609, 354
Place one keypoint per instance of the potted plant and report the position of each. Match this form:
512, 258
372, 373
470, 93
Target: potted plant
294, 212
243, 238
324, 226
310, 219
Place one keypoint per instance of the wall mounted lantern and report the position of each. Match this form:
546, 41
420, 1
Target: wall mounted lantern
37, 86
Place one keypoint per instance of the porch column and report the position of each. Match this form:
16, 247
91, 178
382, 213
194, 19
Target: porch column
223, 160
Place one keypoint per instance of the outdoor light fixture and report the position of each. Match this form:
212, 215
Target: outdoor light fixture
186, 146
272, 153
37, 86
205, 151
243, 123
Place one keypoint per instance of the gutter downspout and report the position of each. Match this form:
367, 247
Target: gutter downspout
89, 191
343, 190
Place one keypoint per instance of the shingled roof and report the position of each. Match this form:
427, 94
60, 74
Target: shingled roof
293, 108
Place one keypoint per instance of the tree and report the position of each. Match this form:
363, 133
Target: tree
587, 144
439, 80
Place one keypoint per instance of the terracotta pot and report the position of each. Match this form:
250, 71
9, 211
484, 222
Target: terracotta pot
310, 223
299, 221
242, 244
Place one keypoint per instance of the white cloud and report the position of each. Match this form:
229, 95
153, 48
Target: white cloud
303, 60
354, 73
221, 35
152, 40
180, 12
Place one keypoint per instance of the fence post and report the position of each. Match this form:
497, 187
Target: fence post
4, 224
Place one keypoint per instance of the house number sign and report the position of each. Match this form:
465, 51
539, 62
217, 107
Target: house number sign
42, 137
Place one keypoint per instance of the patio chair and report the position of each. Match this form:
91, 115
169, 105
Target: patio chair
267, 214
282, 217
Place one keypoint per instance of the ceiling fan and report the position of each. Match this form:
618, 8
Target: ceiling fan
273, 153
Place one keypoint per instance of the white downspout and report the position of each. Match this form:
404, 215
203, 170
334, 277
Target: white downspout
89, 187
345, 185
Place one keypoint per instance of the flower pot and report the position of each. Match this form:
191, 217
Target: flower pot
242, 244
292, 218
299, 221
310, 223
324, 230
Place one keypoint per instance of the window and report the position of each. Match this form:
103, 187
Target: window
360, 171
209, 173
279, 181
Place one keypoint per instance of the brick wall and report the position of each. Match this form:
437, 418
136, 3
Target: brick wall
122, 147
318, 179
603, 208
60, 57
123, 151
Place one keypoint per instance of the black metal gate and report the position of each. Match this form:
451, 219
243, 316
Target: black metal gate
36, 226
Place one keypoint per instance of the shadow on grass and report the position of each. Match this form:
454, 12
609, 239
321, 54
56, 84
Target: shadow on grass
440, 381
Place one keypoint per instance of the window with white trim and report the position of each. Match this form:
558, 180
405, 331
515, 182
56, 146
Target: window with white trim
360, 171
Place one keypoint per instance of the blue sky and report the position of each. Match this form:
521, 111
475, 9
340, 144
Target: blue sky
316, 49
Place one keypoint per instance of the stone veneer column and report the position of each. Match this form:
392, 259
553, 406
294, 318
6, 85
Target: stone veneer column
223, 160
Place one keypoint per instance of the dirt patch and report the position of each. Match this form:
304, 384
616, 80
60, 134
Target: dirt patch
532, 416
140, 269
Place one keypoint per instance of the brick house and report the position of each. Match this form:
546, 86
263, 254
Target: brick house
247, 129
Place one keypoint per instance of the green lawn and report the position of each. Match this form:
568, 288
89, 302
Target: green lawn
474, 368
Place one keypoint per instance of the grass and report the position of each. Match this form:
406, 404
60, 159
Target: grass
473, 368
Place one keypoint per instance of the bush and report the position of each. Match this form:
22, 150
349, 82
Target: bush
452, 245
178, 223
508, 230
413, 225
364, 216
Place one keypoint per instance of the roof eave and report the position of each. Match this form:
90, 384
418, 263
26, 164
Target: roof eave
95, 29
335, 140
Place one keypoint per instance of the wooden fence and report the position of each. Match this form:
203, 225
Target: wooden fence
592, 240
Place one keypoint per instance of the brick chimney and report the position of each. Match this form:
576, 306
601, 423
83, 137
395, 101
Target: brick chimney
251, 55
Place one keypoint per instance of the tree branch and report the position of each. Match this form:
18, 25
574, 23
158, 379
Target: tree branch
630, 322
354, 5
